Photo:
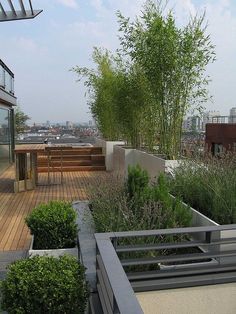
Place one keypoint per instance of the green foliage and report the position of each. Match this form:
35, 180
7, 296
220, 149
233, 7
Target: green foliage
209, 186
118, 96
137, 181
53, 225
45, 285
20, 120
136, 205
102, 86
143, 92
173, 60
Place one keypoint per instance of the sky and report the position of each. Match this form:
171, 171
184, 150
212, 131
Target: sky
41, 52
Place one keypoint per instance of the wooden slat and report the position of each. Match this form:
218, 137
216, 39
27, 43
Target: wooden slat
14, 234
70, 159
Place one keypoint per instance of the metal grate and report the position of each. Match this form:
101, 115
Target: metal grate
17, 10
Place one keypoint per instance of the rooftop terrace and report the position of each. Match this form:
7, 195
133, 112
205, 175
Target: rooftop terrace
14, 234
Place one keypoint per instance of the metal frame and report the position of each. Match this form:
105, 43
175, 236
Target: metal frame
13, 14
116, 287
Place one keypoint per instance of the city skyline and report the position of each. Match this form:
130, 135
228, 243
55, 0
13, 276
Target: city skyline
42, 52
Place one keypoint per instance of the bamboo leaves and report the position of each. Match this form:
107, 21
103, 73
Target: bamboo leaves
143, 92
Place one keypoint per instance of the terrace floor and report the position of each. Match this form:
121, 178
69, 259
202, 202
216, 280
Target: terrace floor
14, 234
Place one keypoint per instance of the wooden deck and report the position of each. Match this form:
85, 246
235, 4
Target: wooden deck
14, 234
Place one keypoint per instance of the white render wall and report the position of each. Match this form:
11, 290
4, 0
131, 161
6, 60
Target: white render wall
107, 148
154, 165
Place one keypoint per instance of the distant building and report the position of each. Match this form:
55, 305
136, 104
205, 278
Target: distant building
69, 125
7, 101
198, 123
213, 117
220, 138
232, 115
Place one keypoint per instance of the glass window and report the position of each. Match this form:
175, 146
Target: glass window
8, 82
2, 77
5, 139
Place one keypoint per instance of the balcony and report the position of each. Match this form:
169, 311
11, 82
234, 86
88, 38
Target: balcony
6, 85
187, 281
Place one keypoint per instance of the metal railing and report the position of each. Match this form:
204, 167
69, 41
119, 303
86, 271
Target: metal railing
161, 259
24, 10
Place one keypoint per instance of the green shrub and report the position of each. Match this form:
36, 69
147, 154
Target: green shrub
45, 285
136, 205
209, 186
53, 225
137, 181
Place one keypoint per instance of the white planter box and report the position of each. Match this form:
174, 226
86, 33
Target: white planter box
122, 158
153, 164
107, 148
52, 252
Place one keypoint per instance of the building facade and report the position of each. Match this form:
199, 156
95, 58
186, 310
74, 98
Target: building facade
232, 115
220, 138
7, 103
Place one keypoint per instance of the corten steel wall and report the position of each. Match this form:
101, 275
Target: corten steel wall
221, 133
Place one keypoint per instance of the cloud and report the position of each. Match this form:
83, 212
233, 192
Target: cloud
69, 3
60, 41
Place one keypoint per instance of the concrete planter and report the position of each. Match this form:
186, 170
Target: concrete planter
53, 252
200, 220
153, 164
107, 148
122, 158
88, 247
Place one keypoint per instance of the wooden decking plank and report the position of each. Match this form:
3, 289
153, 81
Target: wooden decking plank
17, 234
11, 226
14, 234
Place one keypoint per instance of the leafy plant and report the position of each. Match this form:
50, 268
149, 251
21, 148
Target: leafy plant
53, 225
20, 120
102, 84
45, 285
209, 186
137, 181
136, 204
173, 61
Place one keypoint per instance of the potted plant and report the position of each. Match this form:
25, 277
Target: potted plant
54, 229
44, 284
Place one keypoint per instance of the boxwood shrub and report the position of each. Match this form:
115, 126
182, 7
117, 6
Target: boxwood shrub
45, 284
53, 225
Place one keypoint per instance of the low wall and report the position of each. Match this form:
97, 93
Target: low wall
122, 158
108, 148
154, 165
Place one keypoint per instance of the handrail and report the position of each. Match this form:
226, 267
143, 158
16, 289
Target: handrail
216, 263
147, 233
114, 288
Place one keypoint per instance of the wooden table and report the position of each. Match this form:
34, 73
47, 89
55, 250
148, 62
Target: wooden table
26, 166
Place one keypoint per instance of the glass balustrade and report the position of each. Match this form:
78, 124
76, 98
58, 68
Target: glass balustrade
6, 79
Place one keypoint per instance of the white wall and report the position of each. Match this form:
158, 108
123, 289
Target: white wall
107, 148
154, 165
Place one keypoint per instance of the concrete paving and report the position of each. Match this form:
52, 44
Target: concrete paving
8, 257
